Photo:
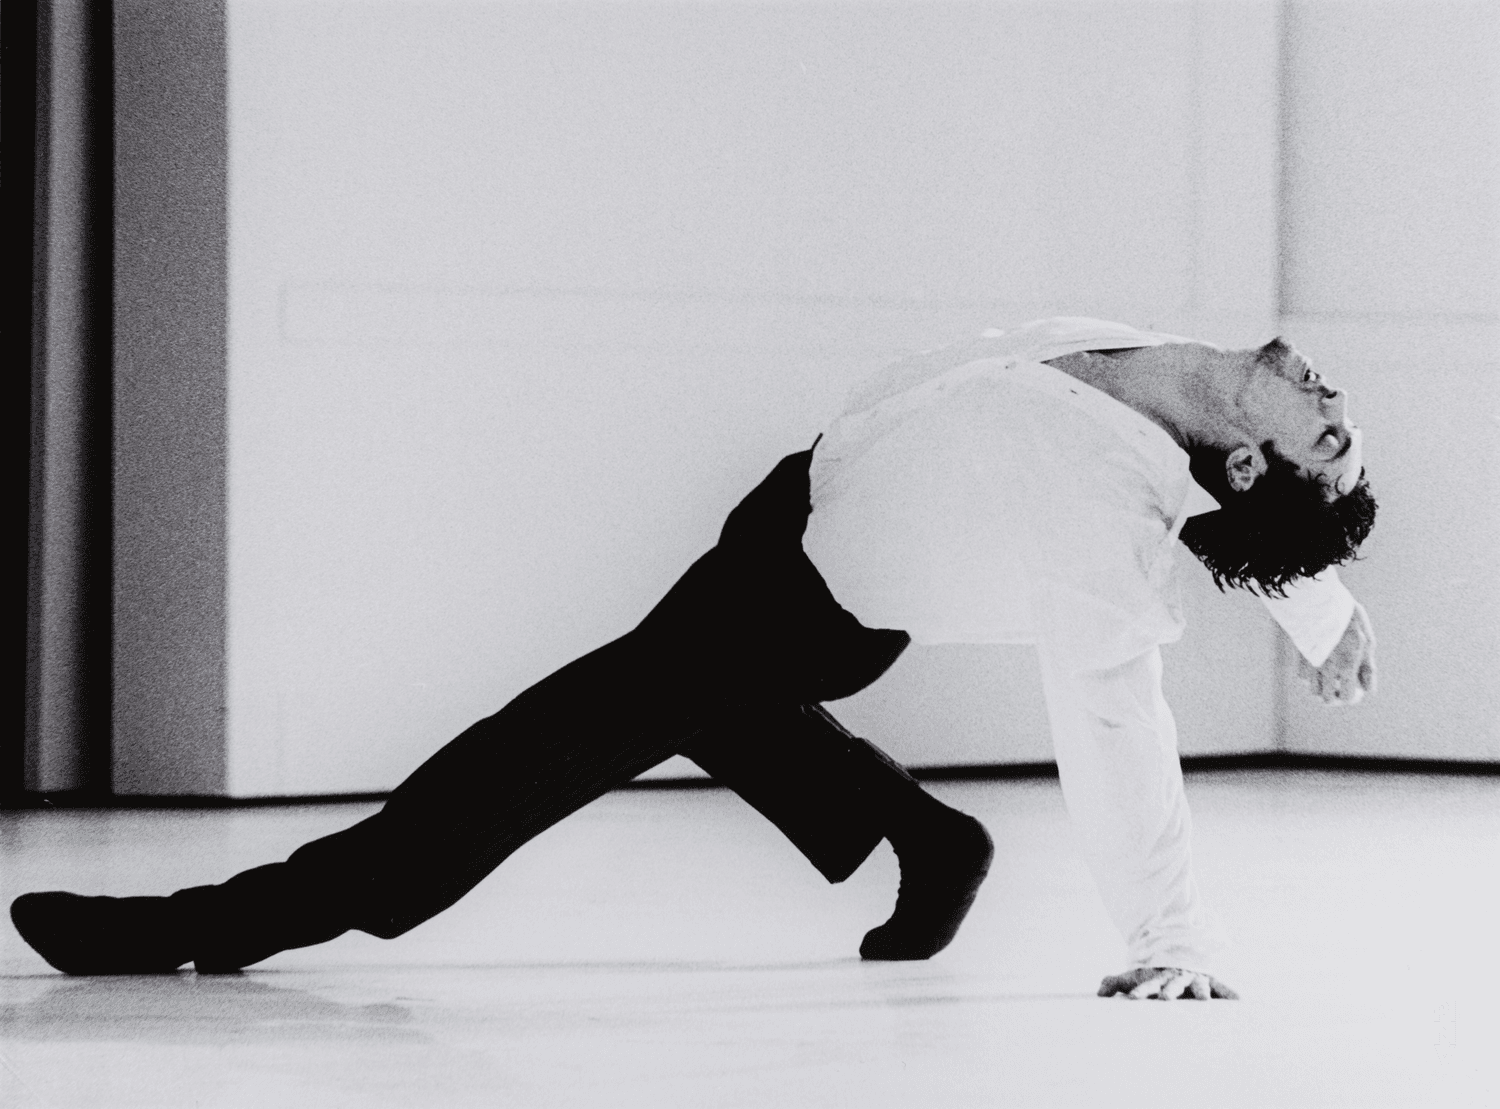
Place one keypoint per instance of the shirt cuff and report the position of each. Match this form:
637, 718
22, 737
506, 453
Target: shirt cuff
1314, 614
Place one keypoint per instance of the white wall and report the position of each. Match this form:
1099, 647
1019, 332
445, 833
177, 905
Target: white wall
1392, 284
525, 297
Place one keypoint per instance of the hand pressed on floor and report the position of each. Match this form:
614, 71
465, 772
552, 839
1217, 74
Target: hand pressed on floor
1165, 984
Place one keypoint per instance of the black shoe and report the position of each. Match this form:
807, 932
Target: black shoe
941, 871
102, 935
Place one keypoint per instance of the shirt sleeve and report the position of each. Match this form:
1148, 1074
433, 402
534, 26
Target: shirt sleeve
1116, 747
1314, 614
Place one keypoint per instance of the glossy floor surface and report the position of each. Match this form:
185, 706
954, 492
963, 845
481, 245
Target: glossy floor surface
669, 949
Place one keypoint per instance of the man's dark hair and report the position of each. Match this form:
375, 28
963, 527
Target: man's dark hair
1280, 529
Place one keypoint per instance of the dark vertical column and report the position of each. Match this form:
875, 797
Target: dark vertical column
170, 267
17, 184
67, 672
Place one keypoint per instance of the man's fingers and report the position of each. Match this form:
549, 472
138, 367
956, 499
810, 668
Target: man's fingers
1307, 673
1119, 983
1345, 692
1349, 673
1328, 688
1150, 987
1221, 990
1122, 983
1176, 985
1341, 687
1202, 987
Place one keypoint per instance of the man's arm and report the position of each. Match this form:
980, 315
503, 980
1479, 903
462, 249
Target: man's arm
1116, 746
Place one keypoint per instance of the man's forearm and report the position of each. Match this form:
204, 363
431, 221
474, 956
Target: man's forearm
1116, 746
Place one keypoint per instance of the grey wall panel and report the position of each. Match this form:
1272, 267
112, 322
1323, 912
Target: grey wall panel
170, 342
67, 723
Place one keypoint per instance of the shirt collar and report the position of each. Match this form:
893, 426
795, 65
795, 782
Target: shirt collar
1199, 500
1056, 336
1061, 335
1167, 462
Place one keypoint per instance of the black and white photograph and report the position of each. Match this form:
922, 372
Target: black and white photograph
727, 554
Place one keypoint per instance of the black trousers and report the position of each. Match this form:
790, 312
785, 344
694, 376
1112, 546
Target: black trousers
729, 669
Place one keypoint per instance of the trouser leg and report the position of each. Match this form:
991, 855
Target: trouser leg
827, 790
835, 796
588, 728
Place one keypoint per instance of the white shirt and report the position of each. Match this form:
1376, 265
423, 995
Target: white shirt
974, 495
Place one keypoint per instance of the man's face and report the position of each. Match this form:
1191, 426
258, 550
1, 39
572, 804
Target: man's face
1306, 419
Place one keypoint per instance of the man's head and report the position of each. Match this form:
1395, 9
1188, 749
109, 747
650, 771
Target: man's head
1274, 395
1286, 468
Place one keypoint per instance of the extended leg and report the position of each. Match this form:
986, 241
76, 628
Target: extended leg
588, 728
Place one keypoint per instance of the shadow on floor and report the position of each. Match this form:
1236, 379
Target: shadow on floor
186, 1008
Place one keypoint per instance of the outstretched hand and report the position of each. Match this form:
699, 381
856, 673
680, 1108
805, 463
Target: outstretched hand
1349, 673
1165, 984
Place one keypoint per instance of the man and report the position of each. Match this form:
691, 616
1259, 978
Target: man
1028, 486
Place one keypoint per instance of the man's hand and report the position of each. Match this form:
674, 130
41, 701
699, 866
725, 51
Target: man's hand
1349, 673
1165, 984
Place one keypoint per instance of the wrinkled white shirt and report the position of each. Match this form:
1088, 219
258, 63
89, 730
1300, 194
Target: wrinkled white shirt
974, 495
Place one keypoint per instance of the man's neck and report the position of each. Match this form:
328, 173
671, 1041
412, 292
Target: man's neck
1171, 385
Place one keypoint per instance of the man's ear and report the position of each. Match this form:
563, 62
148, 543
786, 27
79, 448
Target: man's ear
1243, 466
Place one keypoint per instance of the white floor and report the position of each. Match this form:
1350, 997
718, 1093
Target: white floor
669, 949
